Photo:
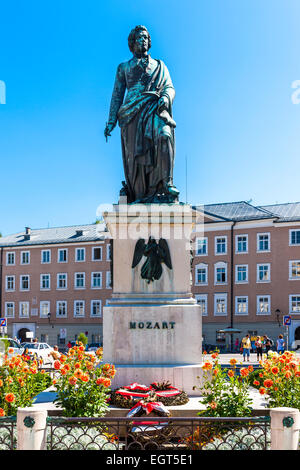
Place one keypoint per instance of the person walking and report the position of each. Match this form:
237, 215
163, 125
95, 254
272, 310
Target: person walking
267, 344
259, 347
280, 344
246, 343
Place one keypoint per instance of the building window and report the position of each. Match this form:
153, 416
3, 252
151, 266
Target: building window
241, 273
10, 283
79, 280
263, 242
25, 257
97, 254
79, 308
220, 245
9, 309
220, 304
263, 305
202, 302
10, 258
62, 255
295, 303
45, 281
62, 282
201, 274
80, 254
45, 256
44, 308
61, 308
241, 243
241, 305
220, 273
24, 309
24, 282
263, 273
294, 270
96, 280
294, 237
96, 308
201, 246
108, 280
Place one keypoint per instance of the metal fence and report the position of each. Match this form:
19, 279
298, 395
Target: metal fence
154, 433
8, 433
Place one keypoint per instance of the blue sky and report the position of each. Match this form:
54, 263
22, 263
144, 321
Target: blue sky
232, 63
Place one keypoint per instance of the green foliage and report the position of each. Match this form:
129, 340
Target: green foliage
225, 393
82, 338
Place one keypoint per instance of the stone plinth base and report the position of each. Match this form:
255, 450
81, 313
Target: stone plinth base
183, 377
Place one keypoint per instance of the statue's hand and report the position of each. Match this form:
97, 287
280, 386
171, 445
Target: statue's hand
108, 129
163, 103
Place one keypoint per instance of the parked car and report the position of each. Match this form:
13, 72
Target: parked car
10, 344
94, 346
40, 351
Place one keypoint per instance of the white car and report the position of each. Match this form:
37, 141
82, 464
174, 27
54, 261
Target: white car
7, 344
39, 351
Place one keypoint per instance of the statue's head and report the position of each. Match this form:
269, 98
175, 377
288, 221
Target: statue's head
139, 39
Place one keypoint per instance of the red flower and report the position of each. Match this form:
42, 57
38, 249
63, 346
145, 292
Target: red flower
57, 365
268, 383
2, 412
10, 398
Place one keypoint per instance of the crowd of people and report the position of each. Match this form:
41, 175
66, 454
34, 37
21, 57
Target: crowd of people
258, 345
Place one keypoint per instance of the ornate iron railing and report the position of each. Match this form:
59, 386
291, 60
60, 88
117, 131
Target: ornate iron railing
154, 433
8, 433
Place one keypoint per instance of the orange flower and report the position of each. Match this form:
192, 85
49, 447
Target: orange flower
275, 370
67, 367
57, 365
10, 398
54, 381
268, 383
78, 373
99, 351
63, 358
230, 373
103, 381
89, 365
81, 348
213, 405
256, 382
72, 380
288, 375
1, 383
244, 372
77, 365
262, 390
207, 366
250, 368
215, 371
297, 373
204, 353
63, 371
2, 412
214, 355
85, 378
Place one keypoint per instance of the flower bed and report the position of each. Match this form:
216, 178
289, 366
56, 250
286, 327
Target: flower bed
20, 382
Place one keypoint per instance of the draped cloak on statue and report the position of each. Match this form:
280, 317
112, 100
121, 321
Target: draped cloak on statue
147, 133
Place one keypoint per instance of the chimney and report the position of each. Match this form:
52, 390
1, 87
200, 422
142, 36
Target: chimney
27, 233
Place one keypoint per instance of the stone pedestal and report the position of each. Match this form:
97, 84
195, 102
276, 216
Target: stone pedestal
152, 331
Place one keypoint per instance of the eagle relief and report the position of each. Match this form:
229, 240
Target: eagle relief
156, 254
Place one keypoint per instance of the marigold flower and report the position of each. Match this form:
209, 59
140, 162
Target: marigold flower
57, 365
1, 383
297, 373
204, 353
85, 378
244, 372
81, 348
207, 366
54, 381
262, 390
63, 371
63, 358
215, 371
10, 350
214, 355
103, 381
250, 368
213, 405
78, 373
2, 412
268, 383
275, 370
72, 380
67, 367
77, 365
230, 373
256, 382
10, 397
288, 375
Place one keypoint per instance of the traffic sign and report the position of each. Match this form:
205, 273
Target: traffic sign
287, 320
3, 322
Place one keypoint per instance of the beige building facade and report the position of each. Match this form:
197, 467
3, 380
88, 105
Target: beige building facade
54, 283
